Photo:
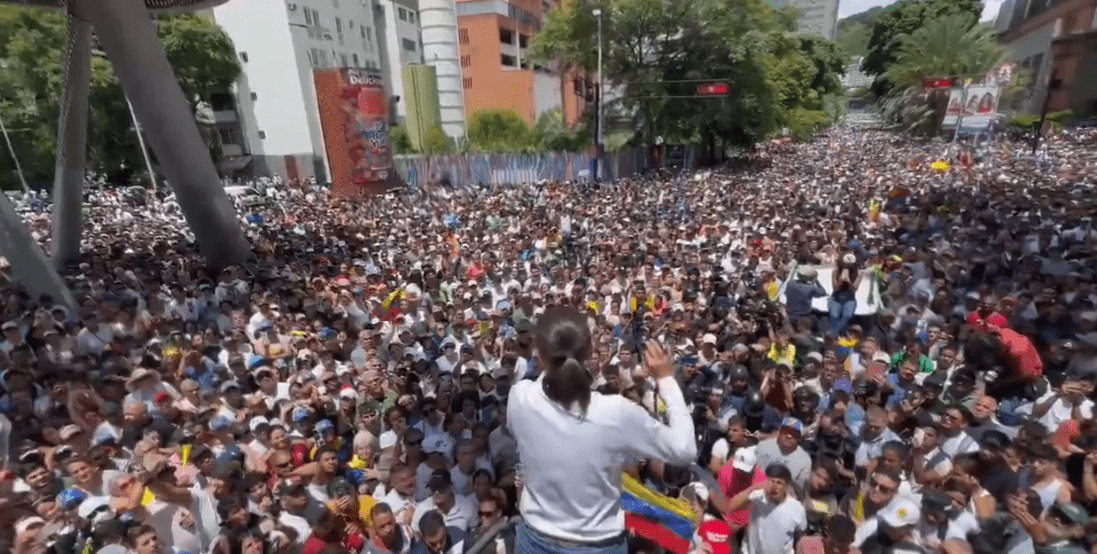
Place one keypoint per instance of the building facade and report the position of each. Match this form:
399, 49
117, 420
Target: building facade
398, 35
280, 43
818, 18
854, 78
496, 73
1053, 39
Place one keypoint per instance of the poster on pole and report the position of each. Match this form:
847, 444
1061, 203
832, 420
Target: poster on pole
973, 107
354, 119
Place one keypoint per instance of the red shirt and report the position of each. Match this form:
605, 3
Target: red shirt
313, 545
715, 533
1026, 361
732, 483
995, 319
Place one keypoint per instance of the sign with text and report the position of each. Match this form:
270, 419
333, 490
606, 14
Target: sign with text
713, 89
936, 82
354, 118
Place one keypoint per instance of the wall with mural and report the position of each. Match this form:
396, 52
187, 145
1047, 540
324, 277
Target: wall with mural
501, 169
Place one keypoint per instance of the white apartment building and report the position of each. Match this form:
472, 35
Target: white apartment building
818, 18
401, 42
854, 78
280, 43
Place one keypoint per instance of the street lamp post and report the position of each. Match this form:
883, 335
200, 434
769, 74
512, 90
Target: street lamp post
598, 105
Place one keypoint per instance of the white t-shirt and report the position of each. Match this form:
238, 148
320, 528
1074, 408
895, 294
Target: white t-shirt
773, 527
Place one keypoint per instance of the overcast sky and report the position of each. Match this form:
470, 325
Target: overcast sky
850, 7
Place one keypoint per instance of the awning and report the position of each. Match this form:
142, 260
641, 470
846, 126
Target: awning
232, 164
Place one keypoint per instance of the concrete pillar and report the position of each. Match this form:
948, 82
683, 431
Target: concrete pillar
127, 35
72, 145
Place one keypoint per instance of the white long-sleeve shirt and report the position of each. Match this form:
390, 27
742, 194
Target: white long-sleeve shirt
572, 465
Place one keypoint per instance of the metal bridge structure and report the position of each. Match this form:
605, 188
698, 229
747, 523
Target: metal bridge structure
126, 33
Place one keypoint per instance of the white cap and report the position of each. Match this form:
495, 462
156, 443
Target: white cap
699, 490
901, 512
745, 459
258, 421
90, 505
386, 440
709, 338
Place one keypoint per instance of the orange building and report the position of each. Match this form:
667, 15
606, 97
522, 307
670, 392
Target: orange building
493, 37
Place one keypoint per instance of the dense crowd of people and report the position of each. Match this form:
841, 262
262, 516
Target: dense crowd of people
879, 355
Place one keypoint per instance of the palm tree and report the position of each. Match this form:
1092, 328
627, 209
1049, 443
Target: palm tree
951, 46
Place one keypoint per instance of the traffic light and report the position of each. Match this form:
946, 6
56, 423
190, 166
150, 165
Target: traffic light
713, 89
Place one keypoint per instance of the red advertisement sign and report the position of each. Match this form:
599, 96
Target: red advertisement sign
354, 117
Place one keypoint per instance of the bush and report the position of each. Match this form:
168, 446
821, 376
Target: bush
436, 142
401, 141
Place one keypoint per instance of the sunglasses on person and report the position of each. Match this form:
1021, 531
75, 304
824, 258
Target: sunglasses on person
880, 487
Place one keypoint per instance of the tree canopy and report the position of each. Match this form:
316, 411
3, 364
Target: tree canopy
32, 47
499, 130
904, 18
657, 51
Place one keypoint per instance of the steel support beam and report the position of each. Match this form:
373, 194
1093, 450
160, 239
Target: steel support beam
127, 34
72, 145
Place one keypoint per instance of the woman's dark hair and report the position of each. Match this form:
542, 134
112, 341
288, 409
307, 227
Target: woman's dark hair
563, 343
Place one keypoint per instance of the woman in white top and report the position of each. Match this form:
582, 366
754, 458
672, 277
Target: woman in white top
574, 442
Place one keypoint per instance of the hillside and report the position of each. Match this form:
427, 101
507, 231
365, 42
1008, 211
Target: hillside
855, 30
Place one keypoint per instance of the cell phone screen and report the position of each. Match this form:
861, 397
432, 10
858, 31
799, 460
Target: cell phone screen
875, 369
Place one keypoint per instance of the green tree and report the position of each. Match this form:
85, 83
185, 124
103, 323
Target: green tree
401, 141
436, 142
499, 131
904, 18
658, 50
32, 46
551, 133
949, 46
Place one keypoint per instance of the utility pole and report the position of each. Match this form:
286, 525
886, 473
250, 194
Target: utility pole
598, 104
1053, 84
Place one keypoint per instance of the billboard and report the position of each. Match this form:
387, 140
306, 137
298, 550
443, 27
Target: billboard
354, 118
974, 106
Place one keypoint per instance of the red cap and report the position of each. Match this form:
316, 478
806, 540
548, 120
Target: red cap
716, 534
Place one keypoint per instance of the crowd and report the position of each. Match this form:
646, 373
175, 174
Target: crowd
879, 356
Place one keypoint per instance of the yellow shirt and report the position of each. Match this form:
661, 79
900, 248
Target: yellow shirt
365, 506
786, 356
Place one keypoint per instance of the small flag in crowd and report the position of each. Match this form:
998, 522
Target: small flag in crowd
668, 522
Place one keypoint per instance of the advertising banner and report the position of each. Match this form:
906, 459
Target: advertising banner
354, 119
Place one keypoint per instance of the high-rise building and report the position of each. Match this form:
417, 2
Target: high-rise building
818, 18
280, 43
496, 73
420, 83
441, 49
398, 35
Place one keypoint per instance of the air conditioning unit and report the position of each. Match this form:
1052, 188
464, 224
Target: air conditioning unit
292, 7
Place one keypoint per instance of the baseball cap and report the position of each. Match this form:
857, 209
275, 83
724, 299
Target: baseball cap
324, 426
794, 424
257, 422
228, 385
745, 459
386, 440
220, 423
843, 385
340, 487
901, 512
439, 480
709, 338
301, 413
91, 506
696, 490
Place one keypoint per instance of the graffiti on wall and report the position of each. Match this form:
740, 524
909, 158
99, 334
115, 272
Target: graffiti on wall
500, 169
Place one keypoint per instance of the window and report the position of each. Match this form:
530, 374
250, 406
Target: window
244, 57
411, 16
308, 17
409, 44
464, 33
369, 34
254, 96
338, 25
343, 58
355, 58
403, 14
523, 41
466, 61
262, 134
362, 31
506, 36
509, 61
221, 102
466, 82
228, 135
315, 18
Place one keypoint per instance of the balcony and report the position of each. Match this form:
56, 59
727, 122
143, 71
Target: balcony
225, 116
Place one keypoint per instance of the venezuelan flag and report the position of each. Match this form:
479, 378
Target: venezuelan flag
666, 521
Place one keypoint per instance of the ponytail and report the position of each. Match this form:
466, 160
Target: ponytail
568, 382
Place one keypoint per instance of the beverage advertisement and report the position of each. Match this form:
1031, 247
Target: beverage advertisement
354, 118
